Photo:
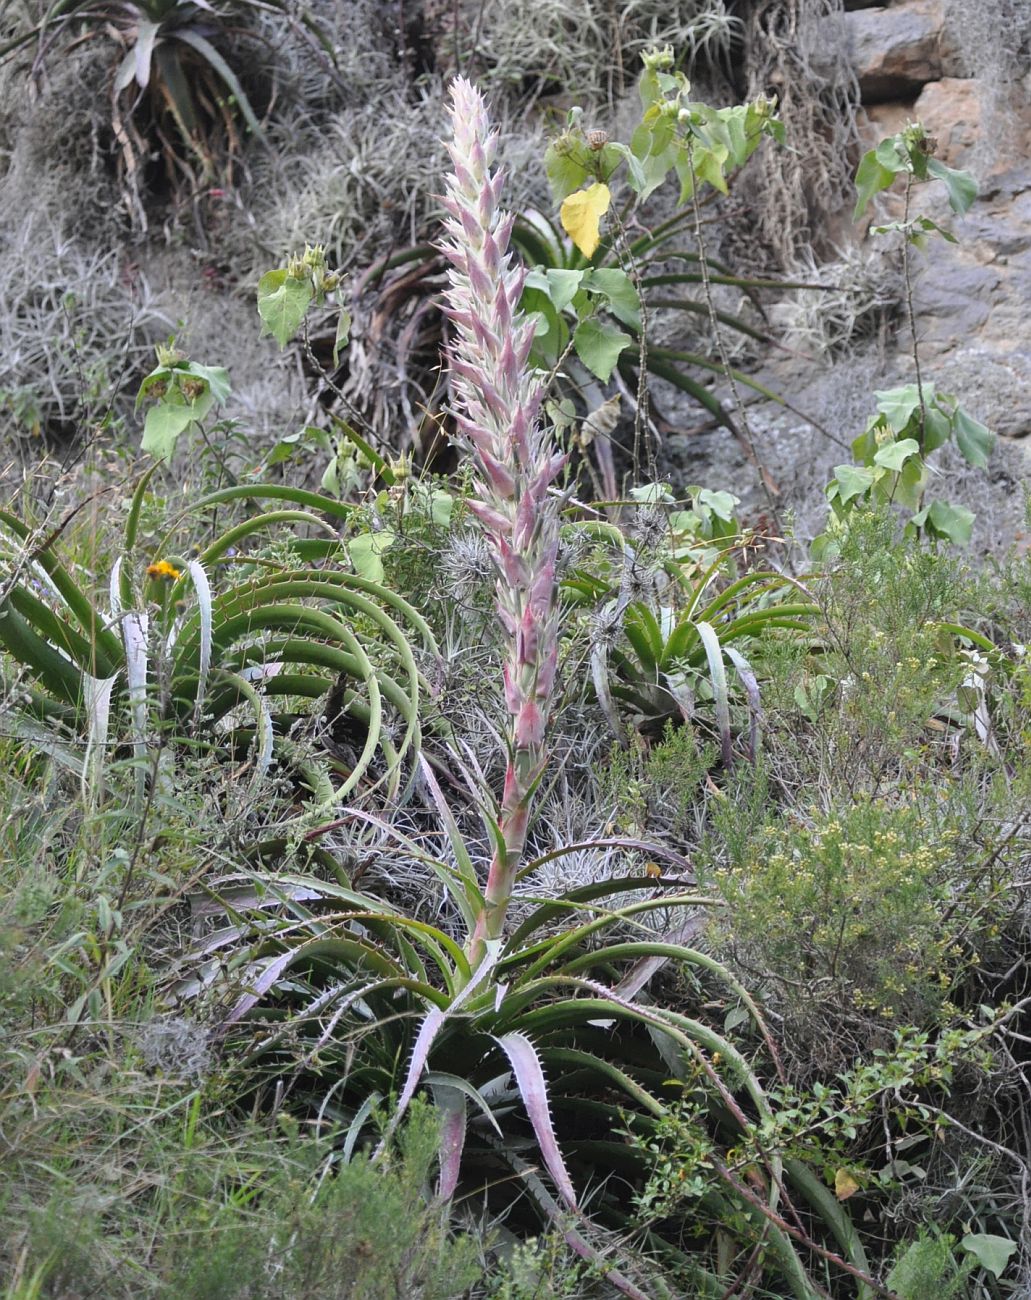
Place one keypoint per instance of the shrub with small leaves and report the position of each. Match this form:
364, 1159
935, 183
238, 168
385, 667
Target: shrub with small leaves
855, 918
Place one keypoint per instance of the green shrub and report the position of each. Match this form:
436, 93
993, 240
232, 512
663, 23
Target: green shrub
927, 1269
854, 918
346, 1230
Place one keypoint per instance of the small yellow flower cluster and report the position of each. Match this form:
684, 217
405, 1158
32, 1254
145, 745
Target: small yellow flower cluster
162, 569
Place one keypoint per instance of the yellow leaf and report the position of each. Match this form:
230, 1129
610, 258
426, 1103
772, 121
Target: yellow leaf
844, 1185
581, 216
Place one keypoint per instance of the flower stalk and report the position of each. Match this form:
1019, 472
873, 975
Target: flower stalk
498, 405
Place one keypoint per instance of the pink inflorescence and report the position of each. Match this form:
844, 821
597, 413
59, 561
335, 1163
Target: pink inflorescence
498, 405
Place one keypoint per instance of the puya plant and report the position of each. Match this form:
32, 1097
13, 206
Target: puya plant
174, 93
912, 421
520, 1014
669, 614
222, 652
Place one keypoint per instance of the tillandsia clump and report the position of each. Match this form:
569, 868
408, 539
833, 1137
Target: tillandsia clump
499, 402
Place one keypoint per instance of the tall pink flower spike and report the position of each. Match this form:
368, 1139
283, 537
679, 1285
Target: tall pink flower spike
498, 405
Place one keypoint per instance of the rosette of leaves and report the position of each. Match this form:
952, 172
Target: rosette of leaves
170, 661
541, 1059
674, 625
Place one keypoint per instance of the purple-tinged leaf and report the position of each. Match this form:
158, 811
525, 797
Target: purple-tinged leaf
355, 951
573, 1239
533, 1089
260, 986
452, 1106
438, 1078
648, 967
428, 1031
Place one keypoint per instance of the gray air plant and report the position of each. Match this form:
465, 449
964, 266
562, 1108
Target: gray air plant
516, 463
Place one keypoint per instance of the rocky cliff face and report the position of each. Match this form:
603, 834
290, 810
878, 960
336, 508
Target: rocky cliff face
963, 71
974, 297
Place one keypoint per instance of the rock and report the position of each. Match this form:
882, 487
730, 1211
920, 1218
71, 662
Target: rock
994, 385
875, 121
951, 110
971, 298
982, 128
897, 50
953, 299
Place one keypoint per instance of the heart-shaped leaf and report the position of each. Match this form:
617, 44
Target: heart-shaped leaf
282, 302
598, 346
992, 1253
975, 441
